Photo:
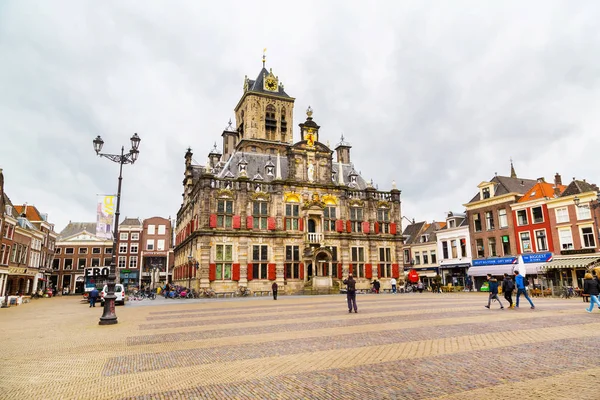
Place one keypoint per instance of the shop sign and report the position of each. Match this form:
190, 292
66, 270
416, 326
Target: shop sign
580, 251
96, 272
537, 257
494, 261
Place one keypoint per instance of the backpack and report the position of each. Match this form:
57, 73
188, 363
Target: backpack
510, 285
525, 282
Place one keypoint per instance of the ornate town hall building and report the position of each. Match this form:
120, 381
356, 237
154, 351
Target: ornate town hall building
270, 209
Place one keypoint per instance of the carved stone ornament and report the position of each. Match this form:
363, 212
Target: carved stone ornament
356, 203
225, 193
383, 204
330, 199
291, 197
260, 196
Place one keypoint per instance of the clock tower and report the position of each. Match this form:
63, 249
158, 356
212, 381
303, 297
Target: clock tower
265, 111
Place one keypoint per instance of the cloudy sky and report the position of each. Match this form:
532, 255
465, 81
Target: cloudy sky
435, 95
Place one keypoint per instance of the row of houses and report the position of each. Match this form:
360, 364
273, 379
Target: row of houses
549, 230
27, 246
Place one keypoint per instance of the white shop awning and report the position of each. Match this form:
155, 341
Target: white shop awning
496, 270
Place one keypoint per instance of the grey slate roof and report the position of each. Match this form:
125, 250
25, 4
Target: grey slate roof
505, 185
74, 228
130, 222
578, 187
257, 85
259, 161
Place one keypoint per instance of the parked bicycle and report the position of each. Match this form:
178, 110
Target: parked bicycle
243, 292
567, 292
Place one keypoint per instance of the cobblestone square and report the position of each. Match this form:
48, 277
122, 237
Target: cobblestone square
405, 346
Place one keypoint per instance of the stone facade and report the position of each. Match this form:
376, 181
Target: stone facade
271, 210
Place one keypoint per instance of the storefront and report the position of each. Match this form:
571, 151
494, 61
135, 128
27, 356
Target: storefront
426, 275
129, 278
497, 266
533, 265
455, 274
570, 269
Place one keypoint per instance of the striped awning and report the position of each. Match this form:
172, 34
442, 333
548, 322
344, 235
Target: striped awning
572, 262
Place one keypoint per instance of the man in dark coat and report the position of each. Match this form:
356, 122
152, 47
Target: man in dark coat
493, 291
507, 288
351, 293
274, 289
93, 296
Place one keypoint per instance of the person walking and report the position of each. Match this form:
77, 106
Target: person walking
420, 286
493, 282
376, 286
521, 285
93, 296
274, 289
394, 283
591, 287
507, 288
351, 293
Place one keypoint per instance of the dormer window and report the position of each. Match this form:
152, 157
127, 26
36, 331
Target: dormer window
333, 176
424, 238
451, 224
353, 179
485, 193
270, 170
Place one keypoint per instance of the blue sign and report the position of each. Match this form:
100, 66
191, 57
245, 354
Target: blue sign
494, 261
536, 258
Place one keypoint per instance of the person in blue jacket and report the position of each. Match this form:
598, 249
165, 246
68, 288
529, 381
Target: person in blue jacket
522, 289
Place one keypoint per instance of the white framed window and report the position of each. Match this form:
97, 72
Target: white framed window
68, 264
425, 257
433, 256
566, 239
224, 261
150, 244
541, 241
95, 262
562, 214
477, 222
454, 246
162, 229
525, 242
587, 237
81, 263
83, 250
133, 248
124, 235
502, 220
123, 248
160, 244
537, 215
492, 247
489, 220
96, 250
135, 236
151, 229
133, 261
122, 261
357, 255
108, 250
583, 213
522, 217
417, 257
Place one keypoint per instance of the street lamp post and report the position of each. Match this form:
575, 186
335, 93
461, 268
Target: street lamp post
109, 317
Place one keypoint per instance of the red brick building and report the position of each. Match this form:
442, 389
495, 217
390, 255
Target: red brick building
157, 251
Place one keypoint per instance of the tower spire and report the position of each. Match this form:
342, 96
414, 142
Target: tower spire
264, 56
513, 174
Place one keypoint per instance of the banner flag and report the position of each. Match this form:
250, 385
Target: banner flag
105, 216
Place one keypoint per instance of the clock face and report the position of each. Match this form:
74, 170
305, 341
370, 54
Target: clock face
271, 84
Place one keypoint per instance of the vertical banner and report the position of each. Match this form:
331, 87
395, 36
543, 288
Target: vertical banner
105, 216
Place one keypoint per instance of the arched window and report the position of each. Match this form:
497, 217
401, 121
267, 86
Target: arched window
270, 122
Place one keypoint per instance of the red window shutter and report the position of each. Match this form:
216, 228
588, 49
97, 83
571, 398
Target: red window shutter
212, 221
379, 271
376, 227
350, 269
271, 272
301, 224
393, 228
395, 271
339, 225
366, 227
271, 223
235, 272
237, 222
348, 226
284, 223
301, 270
212, 272
250, 272
368, 271
340, 271
249, 222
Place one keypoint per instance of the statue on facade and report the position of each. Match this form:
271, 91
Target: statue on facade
311, 172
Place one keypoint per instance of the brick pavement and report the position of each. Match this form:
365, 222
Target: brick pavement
397, 347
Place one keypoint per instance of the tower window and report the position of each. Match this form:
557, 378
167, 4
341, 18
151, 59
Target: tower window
283, 124
270, 122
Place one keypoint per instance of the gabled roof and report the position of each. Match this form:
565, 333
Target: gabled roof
504, 185
129, 222
541, 190
75, 228
411, 232
31, 212
578, 187
257, 85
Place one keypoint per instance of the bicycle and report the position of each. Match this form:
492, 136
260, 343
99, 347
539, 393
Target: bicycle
567, 292
207, 293
242, 292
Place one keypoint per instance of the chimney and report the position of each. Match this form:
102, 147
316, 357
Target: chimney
541, 180
557, 180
